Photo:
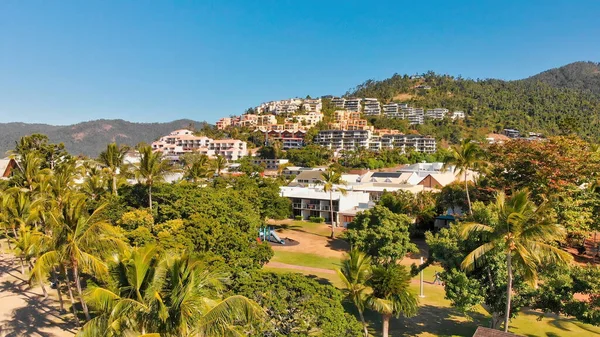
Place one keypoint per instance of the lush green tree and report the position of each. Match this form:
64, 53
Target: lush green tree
297, 306
177, 296
467, 156
112, 159
151, 169
381, 234
311, 155
219, 164
525, 232
355, 273
391, 295
39, 144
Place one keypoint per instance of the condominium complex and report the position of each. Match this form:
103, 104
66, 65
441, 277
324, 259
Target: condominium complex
338, 102
289, 139
340, 140
312, 105
437, 113
184, 141
353, 104
372, 107
414, 115
308, 119
279, 107
458, 115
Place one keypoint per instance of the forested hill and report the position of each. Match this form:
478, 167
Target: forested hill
584, 76
89, 138
495, 104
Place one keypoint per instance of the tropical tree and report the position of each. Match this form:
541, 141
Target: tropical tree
464, 157
20, 209
79, 241
27, 246
196, 170
355, 273
153, 294
525, 232
219, 163
112, 158
30, 171
151, 169
329, 179
391, 295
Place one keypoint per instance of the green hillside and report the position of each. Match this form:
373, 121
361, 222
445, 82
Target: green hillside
584, 76
89, 138
495, 104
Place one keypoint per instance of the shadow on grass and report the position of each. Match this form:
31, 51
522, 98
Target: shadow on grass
438, 321
337, 244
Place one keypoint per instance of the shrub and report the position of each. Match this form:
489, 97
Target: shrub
298, 217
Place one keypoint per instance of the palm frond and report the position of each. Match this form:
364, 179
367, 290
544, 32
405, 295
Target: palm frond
470, 261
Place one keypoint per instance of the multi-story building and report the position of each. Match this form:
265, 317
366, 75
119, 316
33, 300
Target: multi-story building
414, 115
338, 102
289, 139
393, 110
343, 139
226, 122
247, 120
353, 104
286, 109
312, 105
419, 143
309, 119
314, 202
372, 107
266, 120
183, 141
437, 113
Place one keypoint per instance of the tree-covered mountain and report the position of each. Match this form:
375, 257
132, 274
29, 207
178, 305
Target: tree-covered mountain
89, 138
584, 76
492, 104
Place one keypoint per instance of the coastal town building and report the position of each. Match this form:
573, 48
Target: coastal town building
437, 113
371, 107
184, 141
312, 105
339, 140
353, 104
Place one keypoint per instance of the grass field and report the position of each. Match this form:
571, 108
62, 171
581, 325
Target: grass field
436, 317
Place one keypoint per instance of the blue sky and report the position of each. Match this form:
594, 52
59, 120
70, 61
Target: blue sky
64, 61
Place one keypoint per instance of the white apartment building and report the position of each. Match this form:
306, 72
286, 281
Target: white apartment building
419, 143
414, 115
312, 105
437, 113
353, 104
270, 164
266, 120
314, 202
286, 109
272, 107
343, 139
183, 141
338, 102
393, 110
372, 107
458, 114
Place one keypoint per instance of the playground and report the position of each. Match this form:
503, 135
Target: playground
318, 256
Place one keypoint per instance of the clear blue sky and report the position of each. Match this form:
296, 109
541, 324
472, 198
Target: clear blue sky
68, 61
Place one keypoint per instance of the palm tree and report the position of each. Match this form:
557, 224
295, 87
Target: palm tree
467, 156
150, 293
197, 169
79, 241
152, 168
219, 163
355, 273
331, 178
524, 232
112, 158
391, 295
27, 247
20, 209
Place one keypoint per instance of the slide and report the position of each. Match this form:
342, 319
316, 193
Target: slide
274, 236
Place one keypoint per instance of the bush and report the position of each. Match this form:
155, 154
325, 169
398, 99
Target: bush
317, 219
298, 217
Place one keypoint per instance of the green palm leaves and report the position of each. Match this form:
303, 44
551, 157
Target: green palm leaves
525, 232
150, 292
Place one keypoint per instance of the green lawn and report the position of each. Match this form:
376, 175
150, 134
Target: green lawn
306, 259
331, 279
307, 226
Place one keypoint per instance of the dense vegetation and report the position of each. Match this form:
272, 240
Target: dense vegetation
583, 76
492, 105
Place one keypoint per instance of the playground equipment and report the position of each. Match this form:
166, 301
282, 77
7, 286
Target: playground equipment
266, 233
